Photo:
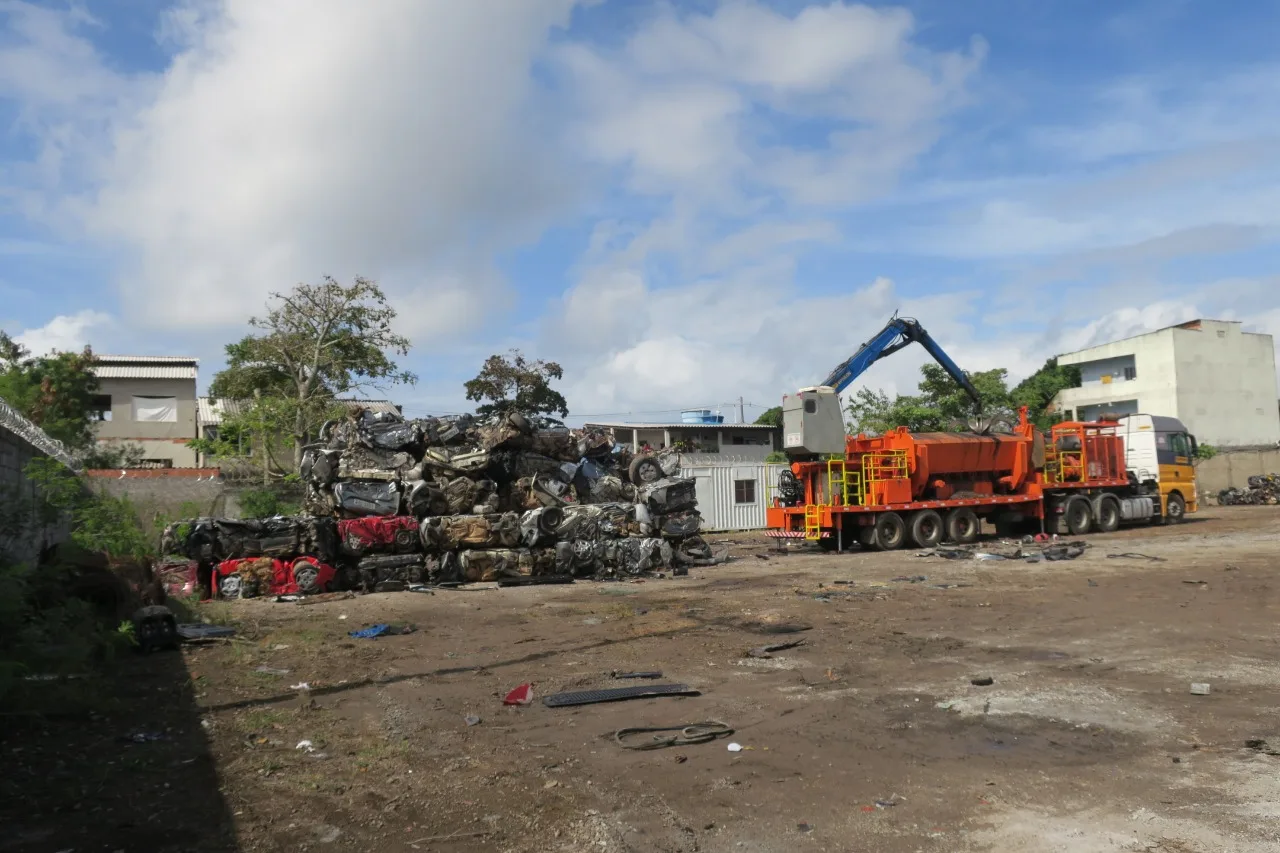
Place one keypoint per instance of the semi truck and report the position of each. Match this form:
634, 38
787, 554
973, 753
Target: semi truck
883, 492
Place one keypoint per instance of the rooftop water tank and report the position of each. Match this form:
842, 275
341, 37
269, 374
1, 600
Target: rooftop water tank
700, 416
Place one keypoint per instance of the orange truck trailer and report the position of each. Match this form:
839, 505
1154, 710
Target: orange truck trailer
922, 489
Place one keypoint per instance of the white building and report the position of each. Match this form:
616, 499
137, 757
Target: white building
1218, 380
726, 462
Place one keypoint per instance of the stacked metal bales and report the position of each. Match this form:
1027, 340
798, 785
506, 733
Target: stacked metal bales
504, 497
393, 502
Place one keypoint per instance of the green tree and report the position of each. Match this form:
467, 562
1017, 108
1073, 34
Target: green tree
943, 394
771, 417
315, 343
1037, 391
513, 383
53, 391
872, 412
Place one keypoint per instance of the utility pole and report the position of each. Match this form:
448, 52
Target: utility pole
742, 418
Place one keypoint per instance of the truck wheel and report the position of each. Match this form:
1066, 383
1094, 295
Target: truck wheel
1078, 516
926, 528
963, 526
1106, 513
1175, 509
891, 530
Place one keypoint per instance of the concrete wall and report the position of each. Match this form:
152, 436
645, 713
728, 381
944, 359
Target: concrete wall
168, 492
1232, 470
159, 440
23, 535
1227, 385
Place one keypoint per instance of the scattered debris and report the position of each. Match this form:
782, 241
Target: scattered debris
195, 631
522, 695
735, 747
911, 579
306, 746
471, 720
381, 630
1199, 688
1267, 746
767, 651
1133, 555
1092, 582
890, 802
1263, 489
300, 686
1198, 583
1033, 551
593, 697
270, 670
326, 596
804, 827
649, 674
984, 681
143, 737
693, 733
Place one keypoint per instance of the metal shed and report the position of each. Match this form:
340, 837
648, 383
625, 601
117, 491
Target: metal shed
732, 492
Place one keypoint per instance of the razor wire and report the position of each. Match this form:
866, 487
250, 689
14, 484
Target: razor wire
14, 421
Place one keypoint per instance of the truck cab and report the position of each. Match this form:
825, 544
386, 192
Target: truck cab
1159, 456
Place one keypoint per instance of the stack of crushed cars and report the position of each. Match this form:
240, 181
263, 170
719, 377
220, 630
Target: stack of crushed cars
393, 503
1263, 489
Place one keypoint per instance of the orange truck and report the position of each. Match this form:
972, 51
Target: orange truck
925, 488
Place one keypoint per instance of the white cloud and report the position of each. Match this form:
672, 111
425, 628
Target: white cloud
64, 333
681, 104
402, 140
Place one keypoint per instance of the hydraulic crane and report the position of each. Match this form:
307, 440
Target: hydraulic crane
813, 423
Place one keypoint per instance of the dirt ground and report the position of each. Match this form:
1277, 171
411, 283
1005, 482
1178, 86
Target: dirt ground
868, 737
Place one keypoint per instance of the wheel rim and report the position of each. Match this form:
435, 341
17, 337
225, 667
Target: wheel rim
305, 577
1175, 508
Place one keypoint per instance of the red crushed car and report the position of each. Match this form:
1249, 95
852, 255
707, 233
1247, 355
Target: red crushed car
397, 534
252, 577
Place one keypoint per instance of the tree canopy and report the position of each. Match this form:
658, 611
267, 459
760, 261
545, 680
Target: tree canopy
315, 343
55, 391
513, 383
771, 417
942, 405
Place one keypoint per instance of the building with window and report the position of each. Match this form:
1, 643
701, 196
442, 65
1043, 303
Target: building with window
726, 462
1218, 380
148, 402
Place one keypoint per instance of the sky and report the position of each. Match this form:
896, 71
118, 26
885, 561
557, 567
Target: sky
681, 203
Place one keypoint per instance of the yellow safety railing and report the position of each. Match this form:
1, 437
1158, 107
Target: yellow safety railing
852, 491
881, 465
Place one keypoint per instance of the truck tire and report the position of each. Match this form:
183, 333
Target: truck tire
926, 529
890, 530
963, 526
1106, 513
1078, 515
1175, 509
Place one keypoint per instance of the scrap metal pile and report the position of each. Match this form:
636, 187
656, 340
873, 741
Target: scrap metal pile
1263, 489
392, 503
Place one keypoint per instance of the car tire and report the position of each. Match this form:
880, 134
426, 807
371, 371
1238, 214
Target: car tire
890, 531
963, 526
1106, 514
926, 529
307, 577
1078, 516
644, 470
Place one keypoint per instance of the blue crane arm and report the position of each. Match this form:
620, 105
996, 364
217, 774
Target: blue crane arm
898, 333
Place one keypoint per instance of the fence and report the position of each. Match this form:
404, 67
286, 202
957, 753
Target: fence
24, 534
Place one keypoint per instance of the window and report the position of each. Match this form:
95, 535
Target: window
810, 406
163, 410
1180, 443
1130, 373
100, 406
1066, 415
744, 491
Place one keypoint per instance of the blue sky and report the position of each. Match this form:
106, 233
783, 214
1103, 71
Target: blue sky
683, 203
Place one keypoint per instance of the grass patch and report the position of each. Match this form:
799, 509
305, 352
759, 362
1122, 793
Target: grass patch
263, 720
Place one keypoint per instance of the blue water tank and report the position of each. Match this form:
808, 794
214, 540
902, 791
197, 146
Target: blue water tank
700, 416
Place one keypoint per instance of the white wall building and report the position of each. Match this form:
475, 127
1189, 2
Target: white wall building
726, 462
1215, 378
